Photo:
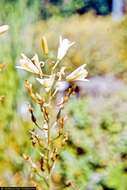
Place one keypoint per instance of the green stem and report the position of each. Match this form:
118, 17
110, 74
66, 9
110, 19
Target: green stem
48, 157
56, 64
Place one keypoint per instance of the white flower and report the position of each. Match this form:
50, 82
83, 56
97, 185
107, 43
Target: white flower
3, 28
32, 65
64, 45
46, 82
78, 75
37, 63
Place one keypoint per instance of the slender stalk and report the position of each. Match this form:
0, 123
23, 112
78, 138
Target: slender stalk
48, 156
48, 135
48, 145
55, 65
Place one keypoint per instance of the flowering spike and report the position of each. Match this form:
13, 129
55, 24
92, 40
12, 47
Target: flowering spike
53, 80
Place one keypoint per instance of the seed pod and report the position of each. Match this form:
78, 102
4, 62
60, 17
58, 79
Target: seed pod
42, 164
33, 118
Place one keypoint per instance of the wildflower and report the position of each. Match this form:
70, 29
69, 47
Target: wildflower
33, 65
46, 82
3, 28
64, 45
37, 63
79, 74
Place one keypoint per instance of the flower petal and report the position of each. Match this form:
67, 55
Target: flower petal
64, 45
3, 28
37, 63
28, 65
79, 74
46, 82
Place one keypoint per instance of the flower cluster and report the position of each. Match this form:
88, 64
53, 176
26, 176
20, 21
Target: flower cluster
35, 66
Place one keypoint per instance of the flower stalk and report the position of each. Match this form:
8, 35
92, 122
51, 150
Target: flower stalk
52, 134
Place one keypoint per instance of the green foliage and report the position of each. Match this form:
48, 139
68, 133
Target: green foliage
18, 16
71, 7
96, 156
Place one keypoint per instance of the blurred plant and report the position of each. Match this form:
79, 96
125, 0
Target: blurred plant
15, 14
3, 29
70, 7
52, 136
66, 8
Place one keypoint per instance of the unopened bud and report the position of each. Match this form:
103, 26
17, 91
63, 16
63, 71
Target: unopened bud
44, 45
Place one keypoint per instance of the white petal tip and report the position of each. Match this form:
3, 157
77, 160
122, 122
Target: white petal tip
3, 28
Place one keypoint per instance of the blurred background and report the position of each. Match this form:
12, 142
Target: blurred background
95, 157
